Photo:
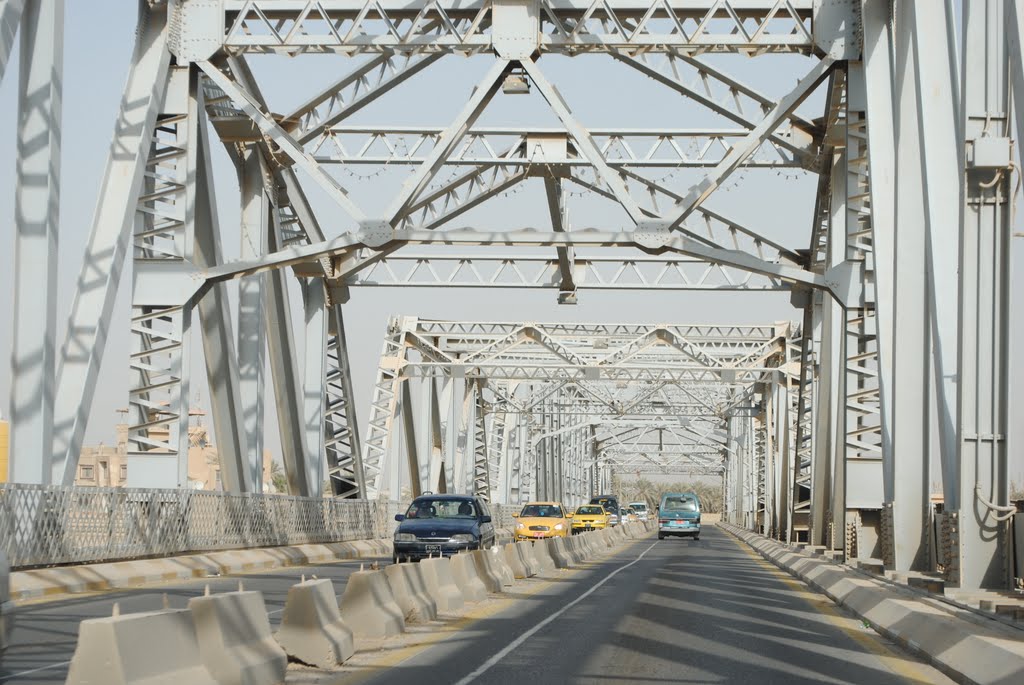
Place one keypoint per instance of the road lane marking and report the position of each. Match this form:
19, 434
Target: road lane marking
490, 663
5, 678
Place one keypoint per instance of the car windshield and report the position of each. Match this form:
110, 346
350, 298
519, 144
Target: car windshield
592, 511
441, 509
639, 507
541, 511
679, 504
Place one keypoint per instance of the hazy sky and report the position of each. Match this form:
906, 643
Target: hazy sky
601, 92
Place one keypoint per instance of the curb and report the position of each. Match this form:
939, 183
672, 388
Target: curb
69, 580
964, 647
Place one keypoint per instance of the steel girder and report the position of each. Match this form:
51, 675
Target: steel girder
569, 26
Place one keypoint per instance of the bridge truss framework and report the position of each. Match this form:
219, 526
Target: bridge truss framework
909, 242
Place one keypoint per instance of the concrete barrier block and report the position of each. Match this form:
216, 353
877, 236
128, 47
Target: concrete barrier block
485, 569
467, 579
235, 641
155, 648
525, 550
515, 561
415, 606
437, 574
368, 606
501, 567
418, 585
542, 557
560, 554
312, 630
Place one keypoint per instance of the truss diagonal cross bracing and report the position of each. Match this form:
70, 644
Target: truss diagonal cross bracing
893, 121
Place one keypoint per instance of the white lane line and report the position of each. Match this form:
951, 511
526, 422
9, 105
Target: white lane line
490, 663
34, 670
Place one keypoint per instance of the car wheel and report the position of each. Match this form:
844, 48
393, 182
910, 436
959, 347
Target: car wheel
661, 536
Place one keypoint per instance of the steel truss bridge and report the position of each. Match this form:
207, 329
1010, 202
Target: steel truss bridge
821, 429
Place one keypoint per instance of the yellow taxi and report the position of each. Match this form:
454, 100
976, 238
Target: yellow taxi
540, 520
590, 517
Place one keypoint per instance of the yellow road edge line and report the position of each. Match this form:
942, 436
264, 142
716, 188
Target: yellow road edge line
897, 662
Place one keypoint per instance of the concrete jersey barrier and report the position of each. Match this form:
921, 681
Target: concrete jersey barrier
368, 606
543, 556
416, 606
515, 561
467, 579
525, 552
437, 573
501, 567
235, 641
560, 554
155, 648
489, 575
312, 630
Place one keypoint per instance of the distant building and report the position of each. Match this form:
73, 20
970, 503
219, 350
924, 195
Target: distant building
107, 465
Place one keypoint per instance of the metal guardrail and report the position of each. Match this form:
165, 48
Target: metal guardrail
53, 525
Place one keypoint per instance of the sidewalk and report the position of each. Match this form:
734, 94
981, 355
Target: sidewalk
65, 580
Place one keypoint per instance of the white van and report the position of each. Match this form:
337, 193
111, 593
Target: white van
641, 510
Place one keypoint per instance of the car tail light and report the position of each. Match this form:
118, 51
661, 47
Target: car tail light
662, 520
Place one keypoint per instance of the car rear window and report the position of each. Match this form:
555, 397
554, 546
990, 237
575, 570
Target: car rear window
679, 504
441, 509
590, 511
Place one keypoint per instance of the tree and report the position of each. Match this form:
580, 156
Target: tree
277, 478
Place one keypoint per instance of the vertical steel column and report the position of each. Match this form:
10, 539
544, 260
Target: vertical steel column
283, 357
481, 453
984, 354
255, 230
344, 448
382, 406
313, 386
218, 336
158, 441
409, 434
878, 91
37, 216
109, 240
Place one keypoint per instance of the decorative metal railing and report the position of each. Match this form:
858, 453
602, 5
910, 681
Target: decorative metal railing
52, 525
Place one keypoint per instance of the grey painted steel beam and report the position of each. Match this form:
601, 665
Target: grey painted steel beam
910, 359
283, 358
252, 337
559, 223
354, 91
745, 26
881, 145
222, 369
584, 141
96, 289
313, 382
983, 422
344, 444
10, 19
477, 102
37, 218
742, 150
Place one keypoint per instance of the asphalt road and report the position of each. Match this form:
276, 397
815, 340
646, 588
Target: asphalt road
46, 632
672, 611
